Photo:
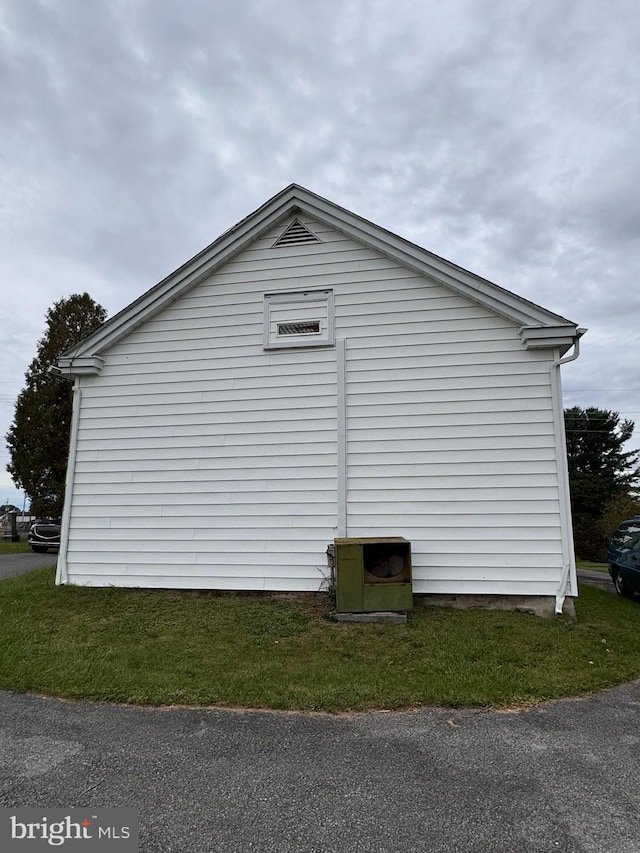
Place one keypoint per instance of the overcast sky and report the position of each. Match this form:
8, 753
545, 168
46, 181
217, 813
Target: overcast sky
502, 135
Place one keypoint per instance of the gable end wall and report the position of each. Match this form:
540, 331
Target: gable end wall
205, 462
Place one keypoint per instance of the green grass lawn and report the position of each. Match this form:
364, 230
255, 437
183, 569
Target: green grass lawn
164, 648
21, 547
593, 567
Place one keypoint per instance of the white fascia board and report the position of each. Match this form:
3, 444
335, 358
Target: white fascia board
543, 337
493, 297
183, 279
80, 365
289, 201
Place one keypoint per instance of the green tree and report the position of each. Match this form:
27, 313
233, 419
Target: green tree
38, 439
599, 470
618, 509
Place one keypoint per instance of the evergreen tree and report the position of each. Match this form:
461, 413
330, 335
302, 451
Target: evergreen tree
38, 439
599, 470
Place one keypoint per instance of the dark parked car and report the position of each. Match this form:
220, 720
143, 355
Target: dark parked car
44, 534
624, 557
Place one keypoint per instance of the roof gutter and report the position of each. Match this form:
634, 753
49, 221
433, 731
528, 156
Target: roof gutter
568, 555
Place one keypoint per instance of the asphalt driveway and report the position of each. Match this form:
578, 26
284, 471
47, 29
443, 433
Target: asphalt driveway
601, 579
563, 777
19, 564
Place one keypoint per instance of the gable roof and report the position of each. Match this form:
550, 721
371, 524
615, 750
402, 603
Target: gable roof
538, 327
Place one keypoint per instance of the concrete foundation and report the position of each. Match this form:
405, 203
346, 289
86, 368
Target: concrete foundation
378, 616
538, 605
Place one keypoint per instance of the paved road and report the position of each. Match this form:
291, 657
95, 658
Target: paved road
601, 579
18, 564
563, 777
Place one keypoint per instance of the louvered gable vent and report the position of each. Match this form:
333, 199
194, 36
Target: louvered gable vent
296, 234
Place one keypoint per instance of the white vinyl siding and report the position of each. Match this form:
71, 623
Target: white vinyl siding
451, 441
205, 462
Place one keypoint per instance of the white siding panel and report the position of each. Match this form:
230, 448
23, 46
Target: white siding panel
450, 439
192, 580
202, 460
205, 462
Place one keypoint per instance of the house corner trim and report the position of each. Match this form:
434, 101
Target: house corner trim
62, 570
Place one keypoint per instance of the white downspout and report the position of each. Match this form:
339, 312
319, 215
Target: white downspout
341, 378
62, 572
568, 554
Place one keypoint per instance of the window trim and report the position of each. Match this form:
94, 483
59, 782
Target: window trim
304, 340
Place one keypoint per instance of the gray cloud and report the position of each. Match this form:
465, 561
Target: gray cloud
501, 135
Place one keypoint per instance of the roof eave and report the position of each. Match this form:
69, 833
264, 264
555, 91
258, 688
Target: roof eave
71, 366
562, 336
291, 200
201, 266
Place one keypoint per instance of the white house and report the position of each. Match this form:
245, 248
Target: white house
309, 376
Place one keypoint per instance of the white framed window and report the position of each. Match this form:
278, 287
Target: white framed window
298, 319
